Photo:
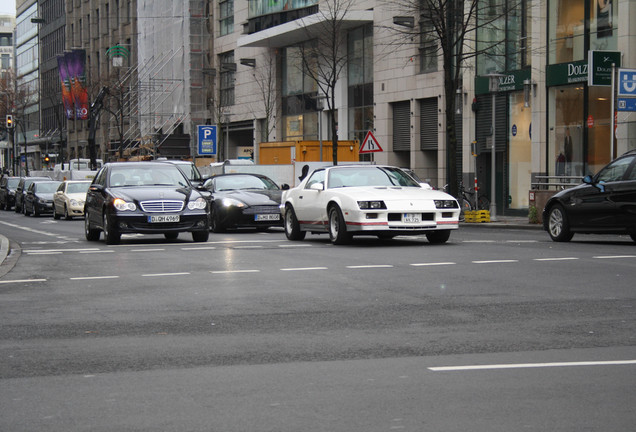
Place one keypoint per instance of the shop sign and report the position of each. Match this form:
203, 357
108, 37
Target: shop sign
590, 121
600, 67
626, 104
566, 73
509, 81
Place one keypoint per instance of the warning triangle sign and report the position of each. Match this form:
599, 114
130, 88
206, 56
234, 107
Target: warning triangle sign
370, 144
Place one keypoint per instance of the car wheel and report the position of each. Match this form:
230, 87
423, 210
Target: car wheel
558, 225
66, 215
338, 227
292, 227
24, 210
171, 235
90, 233
111, 234
56, 216
200, 236
438, 237
215, 224
34, 211
3, 206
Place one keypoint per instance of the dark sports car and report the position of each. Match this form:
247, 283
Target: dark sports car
145, 198
603, 204
243, 200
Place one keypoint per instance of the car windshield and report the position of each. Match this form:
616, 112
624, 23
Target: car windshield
615, 170
46, 187
369, 176
77, 187
237, 182
13, 182
164, 175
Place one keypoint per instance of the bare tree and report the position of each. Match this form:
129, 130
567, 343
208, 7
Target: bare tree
325, 55
449, 28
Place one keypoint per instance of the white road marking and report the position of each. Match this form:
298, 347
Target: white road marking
556, 259
432, 264
249, 247
93, 277
147, 250
304, 268
521, 241
370, 266
22, 281
494, 261
233, 271
198, 248
60, 250
614, 256
46, 233
45, 253
293, 245
530, 365
97, 251
478, 241
165, 274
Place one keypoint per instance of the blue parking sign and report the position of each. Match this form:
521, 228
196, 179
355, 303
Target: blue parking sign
627, 82
207, 140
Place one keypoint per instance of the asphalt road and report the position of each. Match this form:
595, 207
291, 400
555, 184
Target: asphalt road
251, 332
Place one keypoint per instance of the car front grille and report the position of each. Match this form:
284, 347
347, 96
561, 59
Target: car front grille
263, 209
161, 206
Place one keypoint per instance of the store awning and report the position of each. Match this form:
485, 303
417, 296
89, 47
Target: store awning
300, 30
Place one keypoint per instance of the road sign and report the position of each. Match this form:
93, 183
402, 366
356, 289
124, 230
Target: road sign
370, 144
627, 82
626, 104
207, 140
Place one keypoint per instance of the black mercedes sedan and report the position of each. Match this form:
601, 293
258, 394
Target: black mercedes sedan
243, 200
39, 197
145, 198
603, 204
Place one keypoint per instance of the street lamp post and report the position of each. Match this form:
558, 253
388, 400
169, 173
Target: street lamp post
494, 88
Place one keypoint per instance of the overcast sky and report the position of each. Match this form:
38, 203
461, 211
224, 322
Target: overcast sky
7, 7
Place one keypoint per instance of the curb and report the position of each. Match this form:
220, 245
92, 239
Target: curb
4, 248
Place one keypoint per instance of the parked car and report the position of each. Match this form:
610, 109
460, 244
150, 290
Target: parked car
602, 204
374, 200
20, 191
8, 185
243, 200
69, 199
39, 197
146, 198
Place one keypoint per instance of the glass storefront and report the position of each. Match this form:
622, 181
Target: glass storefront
519, 151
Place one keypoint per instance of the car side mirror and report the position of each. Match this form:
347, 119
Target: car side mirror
588, 179
317, 186
96, 188
284, 186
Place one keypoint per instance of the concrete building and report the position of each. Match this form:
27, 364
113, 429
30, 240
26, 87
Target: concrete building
7, 27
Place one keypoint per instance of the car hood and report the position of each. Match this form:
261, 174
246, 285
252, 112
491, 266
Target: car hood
45, 195
389, 193
253, 197
151, 193
570, 191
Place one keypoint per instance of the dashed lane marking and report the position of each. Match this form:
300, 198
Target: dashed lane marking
304, 268
556, 259
432, 264
495, 261
369, 266
22, 281
614, 256
233, 271
93, 277
165, 274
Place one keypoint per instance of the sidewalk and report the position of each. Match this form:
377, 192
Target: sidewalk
505, 222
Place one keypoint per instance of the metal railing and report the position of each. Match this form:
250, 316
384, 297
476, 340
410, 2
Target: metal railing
555, 182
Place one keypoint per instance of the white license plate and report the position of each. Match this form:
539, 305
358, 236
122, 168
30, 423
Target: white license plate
267, 217
163, 218
411, 218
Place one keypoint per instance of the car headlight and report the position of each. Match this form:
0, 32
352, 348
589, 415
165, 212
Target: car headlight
122, 205
446, 204
200, 204
229, 202
371, 205
76, 203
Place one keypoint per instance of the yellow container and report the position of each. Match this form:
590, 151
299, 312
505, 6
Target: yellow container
477, 216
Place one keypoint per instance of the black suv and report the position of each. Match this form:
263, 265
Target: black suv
8, 185
20, 191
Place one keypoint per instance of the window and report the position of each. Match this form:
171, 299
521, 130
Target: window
228, 70
360, 78
300, 117
226, 23
428, 44
6, 61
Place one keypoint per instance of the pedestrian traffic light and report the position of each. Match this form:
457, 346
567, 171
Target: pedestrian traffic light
9, 121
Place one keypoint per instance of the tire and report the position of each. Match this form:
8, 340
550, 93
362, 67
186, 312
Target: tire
111, 234
215, 224
3, 206
558, 225
90, 233
483, 203
171, 235
200, 236
34, 211
292, 227
438, 237
56, 216
66, 215
338, 227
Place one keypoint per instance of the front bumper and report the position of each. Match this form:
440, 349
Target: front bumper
398, 221
251, 217
139, 223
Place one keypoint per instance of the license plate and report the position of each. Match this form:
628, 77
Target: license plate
163, 218
267, 217
411, 218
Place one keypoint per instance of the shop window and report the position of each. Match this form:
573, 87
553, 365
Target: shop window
565, 148
567, 30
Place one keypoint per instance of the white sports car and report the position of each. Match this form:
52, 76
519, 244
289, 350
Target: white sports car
377, 200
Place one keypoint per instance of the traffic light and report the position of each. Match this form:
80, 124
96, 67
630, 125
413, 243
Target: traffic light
9, 121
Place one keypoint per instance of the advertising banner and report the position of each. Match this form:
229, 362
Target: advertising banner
65, 81
76, 61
